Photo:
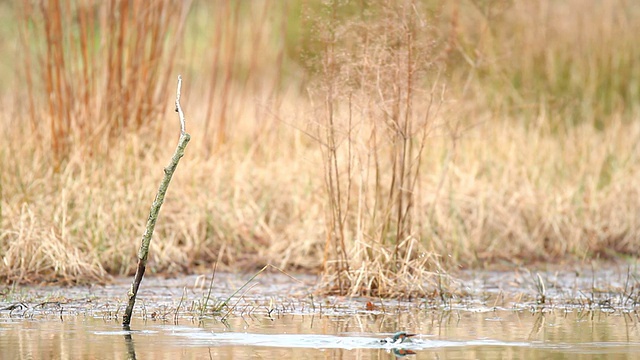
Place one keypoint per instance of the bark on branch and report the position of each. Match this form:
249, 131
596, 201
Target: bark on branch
143, 253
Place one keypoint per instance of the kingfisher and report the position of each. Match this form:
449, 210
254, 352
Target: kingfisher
398, 338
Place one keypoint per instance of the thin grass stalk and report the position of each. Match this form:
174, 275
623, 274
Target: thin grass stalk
86, 33
205, 303
25, 16
406, 195
334, 176
232, 31
215, 66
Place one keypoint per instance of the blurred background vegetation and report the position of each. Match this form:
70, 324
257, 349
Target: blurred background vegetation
530, 156
569, 62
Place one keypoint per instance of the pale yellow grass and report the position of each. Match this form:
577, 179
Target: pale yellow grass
500, 193
533, 155
520, 195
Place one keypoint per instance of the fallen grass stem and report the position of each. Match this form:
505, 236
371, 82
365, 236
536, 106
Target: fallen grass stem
231, 308
225, 302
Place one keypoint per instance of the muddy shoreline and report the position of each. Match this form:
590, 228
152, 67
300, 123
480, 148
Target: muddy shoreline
613, 287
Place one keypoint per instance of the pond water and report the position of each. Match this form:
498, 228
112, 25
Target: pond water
279, 318
455, 335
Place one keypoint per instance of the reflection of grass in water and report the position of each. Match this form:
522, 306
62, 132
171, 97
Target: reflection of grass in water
531, 158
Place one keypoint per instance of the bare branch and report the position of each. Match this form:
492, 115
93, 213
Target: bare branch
143, 253
179, 108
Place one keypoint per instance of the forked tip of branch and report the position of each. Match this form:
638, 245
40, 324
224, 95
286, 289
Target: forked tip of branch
178, 93
178, 107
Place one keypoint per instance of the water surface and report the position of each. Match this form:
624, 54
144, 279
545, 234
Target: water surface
453, 335
281, 318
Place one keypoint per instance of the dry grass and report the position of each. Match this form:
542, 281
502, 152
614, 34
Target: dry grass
551, 64
377, 104
371, 173
96, 69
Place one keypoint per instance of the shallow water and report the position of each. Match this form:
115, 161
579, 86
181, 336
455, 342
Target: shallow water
279, 318
452, 335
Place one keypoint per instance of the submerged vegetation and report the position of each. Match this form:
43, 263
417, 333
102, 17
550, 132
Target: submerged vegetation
378, 143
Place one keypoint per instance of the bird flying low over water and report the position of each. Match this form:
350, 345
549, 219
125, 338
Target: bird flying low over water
398, 338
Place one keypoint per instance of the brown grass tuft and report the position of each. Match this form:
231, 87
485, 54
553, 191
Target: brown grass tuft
379, 102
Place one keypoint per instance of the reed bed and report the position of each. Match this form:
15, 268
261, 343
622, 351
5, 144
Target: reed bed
380, 145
